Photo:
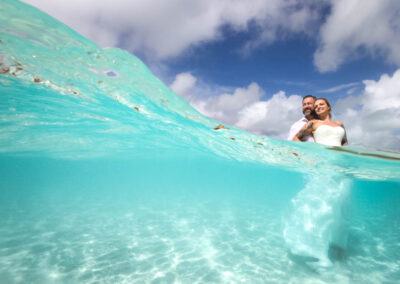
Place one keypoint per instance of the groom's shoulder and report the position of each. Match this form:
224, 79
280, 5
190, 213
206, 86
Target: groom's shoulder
301, 120
296, 126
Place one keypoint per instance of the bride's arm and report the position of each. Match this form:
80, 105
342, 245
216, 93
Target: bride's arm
305, 131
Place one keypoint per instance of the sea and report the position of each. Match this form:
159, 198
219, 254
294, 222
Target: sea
107, 176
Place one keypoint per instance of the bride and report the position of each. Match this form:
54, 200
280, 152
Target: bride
316, 226
325, 130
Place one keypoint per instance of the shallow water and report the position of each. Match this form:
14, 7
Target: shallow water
198, 221
109, 177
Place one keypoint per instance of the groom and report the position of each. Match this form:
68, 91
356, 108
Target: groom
308, 107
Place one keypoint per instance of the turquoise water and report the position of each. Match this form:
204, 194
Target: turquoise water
109, 177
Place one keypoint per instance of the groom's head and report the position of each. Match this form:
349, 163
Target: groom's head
308, 105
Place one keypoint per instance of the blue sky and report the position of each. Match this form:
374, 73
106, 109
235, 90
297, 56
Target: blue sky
284, 65
248, 63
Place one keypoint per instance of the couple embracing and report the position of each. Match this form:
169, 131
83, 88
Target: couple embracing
316, 125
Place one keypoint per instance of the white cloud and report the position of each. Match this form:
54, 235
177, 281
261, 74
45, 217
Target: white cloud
242, 107
373, 117
340, 87
226, 107
162, 29
356, 27
272, 117
382, 94
183, 84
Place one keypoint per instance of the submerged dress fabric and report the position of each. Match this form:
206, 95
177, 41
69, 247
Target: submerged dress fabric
318, 218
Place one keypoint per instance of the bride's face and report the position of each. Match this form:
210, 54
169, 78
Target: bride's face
321, 107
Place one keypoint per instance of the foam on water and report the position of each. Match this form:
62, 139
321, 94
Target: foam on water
107, 176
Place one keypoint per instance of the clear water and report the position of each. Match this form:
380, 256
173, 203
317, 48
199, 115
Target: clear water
106, 176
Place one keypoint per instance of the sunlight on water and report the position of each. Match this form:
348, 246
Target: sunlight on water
109, 177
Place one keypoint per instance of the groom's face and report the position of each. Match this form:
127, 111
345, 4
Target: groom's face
308, 105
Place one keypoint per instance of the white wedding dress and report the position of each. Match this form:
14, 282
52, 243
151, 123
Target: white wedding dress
329, 135
316, 224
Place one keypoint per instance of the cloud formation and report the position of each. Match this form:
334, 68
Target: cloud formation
356, 28
340, 87
183, 83
272, 117
162, 29
225, 107
373, 117
245, 108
